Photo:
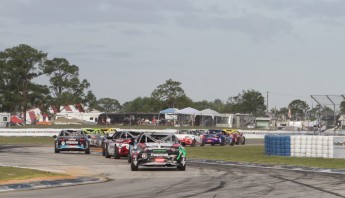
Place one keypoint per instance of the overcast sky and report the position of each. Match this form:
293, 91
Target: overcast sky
216, 48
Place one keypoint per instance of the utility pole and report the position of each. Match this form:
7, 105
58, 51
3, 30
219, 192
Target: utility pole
267, 103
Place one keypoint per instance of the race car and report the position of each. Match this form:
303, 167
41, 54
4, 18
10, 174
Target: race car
186, 137
117, 145
158, 149
72, 140
214, 137
238, 137
96, 135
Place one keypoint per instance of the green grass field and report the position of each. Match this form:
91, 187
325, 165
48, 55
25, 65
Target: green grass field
27, 140
256, 154
12, 173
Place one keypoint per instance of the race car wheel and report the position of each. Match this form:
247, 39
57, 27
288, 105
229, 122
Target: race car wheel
232, 143
129, 158
238, 141
107, 153
56, 150
182, 167
87, 151
202, 144
134, 167
193, 143
116, 153
244, 140
222, 143
103, 150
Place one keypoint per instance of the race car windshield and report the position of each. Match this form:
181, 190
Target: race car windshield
71, 133
160, 138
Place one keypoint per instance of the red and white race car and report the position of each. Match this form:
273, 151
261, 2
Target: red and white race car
117, 145
187, 137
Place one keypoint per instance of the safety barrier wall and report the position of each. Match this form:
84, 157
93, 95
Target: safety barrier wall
305, 146
250, 134
29, 132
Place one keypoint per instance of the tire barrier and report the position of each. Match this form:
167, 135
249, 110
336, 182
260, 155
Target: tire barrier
277, 145
305, 146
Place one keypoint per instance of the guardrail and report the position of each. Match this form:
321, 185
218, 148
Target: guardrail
252, 134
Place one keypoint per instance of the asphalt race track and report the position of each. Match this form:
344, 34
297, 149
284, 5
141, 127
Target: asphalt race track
199, 180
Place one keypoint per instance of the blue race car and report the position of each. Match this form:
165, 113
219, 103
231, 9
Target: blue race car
216, 137
72, 140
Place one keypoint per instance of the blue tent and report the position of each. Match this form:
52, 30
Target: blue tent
169, 110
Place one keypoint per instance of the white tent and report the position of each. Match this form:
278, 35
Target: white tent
209, 112
188, 111
186, 116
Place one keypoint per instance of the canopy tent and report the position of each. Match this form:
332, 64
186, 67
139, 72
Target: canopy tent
188, 111
209, 112
169, 110
16, 119
186, 116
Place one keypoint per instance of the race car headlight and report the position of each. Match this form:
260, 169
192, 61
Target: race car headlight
144, 155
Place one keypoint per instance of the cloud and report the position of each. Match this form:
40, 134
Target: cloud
257, 26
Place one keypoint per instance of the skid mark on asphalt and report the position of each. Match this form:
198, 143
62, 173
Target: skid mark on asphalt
309, 186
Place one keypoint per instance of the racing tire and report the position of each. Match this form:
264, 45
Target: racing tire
243, 141
106, 155
116, 153
232, 143
87, 151
202, 144
193, 143
129, 158
134, 167
182, 167
103, 150
56, 150
222, 143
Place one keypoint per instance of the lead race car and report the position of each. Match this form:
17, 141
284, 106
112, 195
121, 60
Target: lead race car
158, 149
72, 140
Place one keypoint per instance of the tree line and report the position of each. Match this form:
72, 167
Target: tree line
21, 65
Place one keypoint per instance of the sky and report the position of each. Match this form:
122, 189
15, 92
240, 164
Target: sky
286, 49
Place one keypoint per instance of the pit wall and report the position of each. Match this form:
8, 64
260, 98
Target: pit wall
305, 146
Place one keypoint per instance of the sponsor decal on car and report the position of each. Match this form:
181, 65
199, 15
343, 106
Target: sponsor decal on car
159, 150
159, 154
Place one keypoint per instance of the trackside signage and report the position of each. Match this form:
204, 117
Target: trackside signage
339, 147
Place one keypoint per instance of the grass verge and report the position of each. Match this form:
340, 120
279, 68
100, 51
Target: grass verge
40, 141
8, 174
256, 154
